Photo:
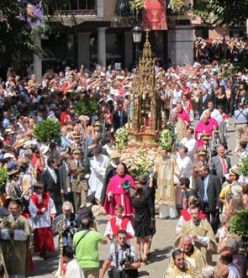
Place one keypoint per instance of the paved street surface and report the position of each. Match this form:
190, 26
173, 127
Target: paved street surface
161, 248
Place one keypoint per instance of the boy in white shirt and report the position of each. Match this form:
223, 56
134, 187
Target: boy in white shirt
70, 267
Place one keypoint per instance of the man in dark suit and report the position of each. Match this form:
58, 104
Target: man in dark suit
205, 97
119, 117
208, 187
50, 181
220, 164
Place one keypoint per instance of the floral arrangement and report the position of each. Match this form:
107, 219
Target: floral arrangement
121, 138
137, 4
166, 139
244, 167
47, 131
239, 225
3, 178
177, 5
139, 161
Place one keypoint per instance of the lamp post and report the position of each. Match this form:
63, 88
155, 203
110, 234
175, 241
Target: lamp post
137, 35
247, 28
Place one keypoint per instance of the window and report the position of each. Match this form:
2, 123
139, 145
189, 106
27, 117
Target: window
83, 5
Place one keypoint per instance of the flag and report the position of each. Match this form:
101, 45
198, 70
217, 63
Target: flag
31, 13
154, 16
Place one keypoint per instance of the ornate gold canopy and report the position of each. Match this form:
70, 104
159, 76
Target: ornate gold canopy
145, 122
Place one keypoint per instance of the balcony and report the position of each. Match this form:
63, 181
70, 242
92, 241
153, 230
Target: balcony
81, 7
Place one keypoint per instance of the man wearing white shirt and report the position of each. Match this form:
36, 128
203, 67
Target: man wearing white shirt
189, 142
98, 167
214, 113
184, 165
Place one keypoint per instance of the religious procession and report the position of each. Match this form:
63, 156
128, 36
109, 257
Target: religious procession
132, 148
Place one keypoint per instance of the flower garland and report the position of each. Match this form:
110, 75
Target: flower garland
121, 138
139, 161
166, 139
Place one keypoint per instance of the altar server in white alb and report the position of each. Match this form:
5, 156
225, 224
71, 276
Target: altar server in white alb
98, 166
42, 210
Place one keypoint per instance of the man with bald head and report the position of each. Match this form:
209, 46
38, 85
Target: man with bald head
200, 232
192, 254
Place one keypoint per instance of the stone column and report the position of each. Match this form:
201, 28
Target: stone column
101, 46
128, 49
84, 49
100, 8
37, 61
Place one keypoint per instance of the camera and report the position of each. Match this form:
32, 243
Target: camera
125, 263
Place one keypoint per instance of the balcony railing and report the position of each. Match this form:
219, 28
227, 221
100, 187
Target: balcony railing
81, 7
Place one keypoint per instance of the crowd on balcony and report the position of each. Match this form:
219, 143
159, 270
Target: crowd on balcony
66, 185
208, 50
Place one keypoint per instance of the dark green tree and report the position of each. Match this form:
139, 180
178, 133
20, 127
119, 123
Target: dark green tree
222, 12
17, 33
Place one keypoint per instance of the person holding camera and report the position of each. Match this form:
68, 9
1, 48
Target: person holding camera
122, 261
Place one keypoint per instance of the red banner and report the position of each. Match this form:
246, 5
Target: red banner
154, 16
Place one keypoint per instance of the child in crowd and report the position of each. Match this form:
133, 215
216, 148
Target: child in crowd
119, 222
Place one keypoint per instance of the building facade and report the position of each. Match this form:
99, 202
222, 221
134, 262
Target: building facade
92, 32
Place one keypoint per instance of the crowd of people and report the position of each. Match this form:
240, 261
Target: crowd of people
209, 50
63, 188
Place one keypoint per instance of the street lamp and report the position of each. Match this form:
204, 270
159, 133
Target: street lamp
137, 35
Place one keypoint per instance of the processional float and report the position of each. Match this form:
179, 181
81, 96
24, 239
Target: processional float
146, 121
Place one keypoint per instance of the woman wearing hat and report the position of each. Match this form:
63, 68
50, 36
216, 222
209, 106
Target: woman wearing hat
13, 189
42, 209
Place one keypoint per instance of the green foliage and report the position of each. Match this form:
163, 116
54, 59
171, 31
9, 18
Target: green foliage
219, 12
16, 35
121, 138
137, 4
244, 167
47, 131
239, 224
87, 106
177, 5
3, 178
166, 139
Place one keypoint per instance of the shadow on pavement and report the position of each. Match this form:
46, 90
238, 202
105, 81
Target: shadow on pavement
43, 267
160, 254
143, 273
